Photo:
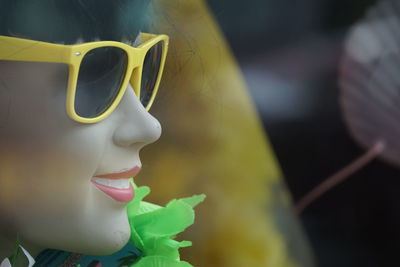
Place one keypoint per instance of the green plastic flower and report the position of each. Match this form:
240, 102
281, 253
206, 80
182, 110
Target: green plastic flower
154, 228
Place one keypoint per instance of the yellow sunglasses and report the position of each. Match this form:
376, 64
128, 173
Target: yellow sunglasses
99, 72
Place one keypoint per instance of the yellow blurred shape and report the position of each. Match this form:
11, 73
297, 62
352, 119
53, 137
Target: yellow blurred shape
213, 143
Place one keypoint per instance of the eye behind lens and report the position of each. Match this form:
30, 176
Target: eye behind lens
150, 73
100, 78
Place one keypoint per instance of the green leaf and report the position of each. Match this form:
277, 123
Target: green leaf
154, 227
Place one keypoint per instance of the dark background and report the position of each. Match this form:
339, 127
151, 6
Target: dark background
289, 51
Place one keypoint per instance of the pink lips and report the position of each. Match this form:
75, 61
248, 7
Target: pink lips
119, 194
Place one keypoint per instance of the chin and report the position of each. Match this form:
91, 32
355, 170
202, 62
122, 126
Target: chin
97, 239
107, 243
91, 226
104, 231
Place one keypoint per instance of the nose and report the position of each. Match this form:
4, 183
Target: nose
137, 126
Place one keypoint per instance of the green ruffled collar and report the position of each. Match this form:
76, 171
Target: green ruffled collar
154, 228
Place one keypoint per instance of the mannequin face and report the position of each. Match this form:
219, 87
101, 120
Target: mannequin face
47, 162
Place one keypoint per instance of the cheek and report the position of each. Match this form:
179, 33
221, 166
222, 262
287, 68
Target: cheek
33, 95
41, 149
38, 170
46, 193
46, 163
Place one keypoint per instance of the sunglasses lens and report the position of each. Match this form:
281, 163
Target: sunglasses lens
151, 69
100, 78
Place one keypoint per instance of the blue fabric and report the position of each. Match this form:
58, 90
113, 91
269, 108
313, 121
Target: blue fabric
54, 258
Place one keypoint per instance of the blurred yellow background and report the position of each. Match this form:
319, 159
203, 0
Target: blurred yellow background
213, 143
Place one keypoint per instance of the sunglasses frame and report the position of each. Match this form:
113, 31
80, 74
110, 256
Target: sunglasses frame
18, 49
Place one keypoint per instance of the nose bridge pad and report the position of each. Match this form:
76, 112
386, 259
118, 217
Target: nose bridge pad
135, 80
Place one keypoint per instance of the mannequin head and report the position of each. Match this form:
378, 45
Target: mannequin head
48, 160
